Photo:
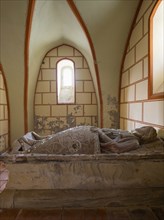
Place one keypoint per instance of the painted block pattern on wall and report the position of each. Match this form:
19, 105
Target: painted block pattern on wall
136, 109
4, 133
51, 117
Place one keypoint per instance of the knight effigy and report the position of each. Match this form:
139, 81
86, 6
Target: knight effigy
86, 140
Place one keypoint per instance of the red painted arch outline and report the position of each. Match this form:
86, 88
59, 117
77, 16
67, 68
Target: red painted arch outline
81, 22
8, 106
26, 60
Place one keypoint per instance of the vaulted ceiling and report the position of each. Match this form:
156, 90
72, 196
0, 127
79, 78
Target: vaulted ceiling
98, 28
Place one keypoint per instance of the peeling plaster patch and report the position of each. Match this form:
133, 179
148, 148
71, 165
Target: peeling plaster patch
50, 125
2, 143
113, 112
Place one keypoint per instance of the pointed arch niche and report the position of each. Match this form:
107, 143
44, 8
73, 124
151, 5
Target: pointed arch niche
156, 56
4, 114
51, 117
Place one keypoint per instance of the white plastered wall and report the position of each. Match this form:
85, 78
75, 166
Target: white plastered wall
12, 36
136, 109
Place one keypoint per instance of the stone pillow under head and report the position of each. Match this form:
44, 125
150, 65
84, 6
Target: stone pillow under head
77, 140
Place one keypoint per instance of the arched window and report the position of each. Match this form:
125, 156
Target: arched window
65, 81
157, 51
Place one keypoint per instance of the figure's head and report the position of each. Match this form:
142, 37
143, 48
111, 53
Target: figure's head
145, 134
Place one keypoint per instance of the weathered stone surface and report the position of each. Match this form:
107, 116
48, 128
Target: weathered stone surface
55, 214
142, 214
45, 181
7, 199
95, 174
159, 212
9, 214
73, 213
118, 214
114, 197
4, 175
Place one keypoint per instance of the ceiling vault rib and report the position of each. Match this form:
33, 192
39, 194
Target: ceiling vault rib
26, 60
8, 106
81, 22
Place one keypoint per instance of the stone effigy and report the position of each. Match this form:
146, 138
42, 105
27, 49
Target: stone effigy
119, 141
85, 140
77, 140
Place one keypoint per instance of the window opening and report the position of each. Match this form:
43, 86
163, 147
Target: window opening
65, 81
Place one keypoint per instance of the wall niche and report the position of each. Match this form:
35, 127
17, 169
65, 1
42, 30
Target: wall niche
51, 117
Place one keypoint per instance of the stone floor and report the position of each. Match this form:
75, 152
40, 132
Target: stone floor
111, 213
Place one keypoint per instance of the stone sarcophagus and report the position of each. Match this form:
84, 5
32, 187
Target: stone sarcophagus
90, 180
